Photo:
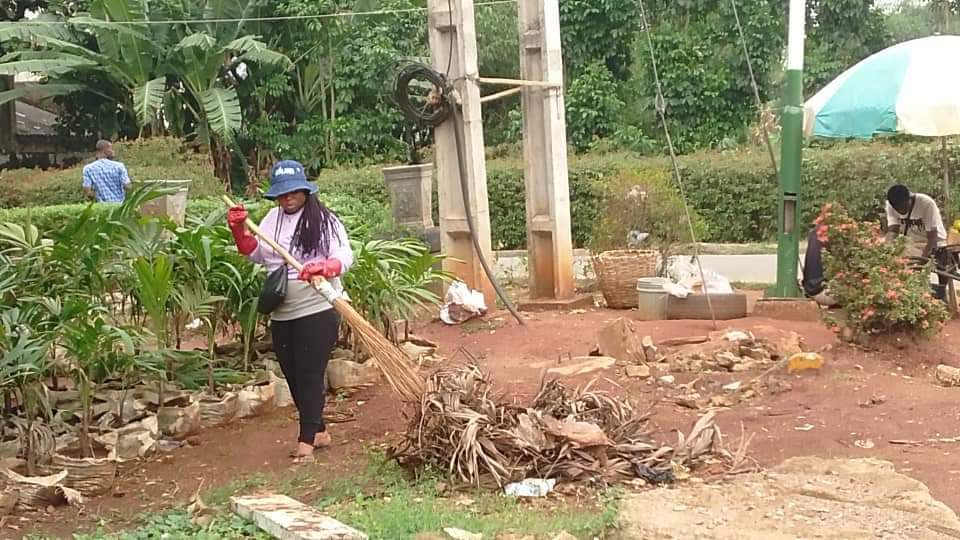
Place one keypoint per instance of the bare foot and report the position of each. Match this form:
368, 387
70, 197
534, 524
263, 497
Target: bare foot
322, 439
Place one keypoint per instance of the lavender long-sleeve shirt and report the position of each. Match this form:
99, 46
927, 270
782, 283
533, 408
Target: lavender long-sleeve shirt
301, 299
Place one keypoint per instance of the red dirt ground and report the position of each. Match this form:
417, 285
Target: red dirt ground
834, 401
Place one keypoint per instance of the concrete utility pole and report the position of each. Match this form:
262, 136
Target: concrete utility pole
788, 239
549, 242
453, 43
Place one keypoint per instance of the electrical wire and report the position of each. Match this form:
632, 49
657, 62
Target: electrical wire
661, 112
756, 90
277, 18
440, 106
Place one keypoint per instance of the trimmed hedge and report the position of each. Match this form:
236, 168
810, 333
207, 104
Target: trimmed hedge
363, 220
734, 193
158, 158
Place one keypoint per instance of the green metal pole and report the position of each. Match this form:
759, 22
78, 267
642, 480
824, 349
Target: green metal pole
789, 231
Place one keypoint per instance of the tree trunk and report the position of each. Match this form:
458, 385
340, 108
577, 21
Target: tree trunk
86, 450
211, 358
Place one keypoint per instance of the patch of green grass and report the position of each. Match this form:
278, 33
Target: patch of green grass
383, 503
176, 524
221, 494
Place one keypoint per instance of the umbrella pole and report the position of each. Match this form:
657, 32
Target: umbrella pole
945, 160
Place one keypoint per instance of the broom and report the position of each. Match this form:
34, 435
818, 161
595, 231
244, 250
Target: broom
393, 363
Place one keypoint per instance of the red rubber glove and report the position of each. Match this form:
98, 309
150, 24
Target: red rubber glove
326, 268
246, 242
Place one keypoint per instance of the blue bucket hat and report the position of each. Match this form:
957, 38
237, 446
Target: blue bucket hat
288, 176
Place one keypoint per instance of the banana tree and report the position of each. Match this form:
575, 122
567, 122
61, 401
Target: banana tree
86, 53
208, 67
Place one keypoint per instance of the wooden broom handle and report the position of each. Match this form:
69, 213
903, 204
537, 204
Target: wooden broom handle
276, 247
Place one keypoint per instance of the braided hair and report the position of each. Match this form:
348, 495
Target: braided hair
314, 229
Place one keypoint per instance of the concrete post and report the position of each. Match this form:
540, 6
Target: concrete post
455, 30
549, 238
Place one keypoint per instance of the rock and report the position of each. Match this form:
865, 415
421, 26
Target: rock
580, 365
806, 497
512, 536
667, 380
414, 351
619, 340
346, 374
564, 535
726, 360
460, 534
736, 336
638, 371
733, 387
804, 361
650, 352
948, 375
756, 353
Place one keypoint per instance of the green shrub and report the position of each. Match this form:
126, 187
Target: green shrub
736, 193
733, 193
159, 158
362, 219
872, 281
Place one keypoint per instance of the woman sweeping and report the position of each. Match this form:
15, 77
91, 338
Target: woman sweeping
304, 325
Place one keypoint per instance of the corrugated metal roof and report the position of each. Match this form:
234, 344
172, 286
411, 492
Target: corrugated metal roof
34, 120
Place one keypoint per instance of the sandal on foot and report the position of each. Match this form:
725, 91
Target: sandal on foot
324, 440
296, 452
304, 458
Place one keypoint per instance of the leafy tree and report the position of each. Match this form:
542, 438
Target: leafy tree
599, 30
840, 33
190, 74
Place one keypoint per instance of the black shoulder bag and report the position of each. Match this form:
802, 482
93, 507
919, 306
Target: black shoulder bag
275, 287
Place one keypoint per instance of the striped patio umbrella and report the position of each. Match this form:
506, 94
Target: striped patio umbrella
912, 87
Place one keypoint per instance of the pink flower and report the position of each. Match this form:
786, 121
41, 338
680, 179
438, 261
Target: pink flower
892, 294
866, 281
882, 269
867, 313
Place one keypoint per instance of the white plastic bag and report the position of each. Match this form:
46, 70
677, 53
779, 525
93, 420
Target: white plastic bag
687, 275
462, 304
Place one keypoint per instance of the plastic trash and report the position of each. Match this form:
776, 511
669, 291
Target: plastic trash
686, 274
531, 487
462, 304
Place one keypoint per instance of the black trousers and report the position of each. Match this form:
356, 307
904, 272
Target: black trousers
303, 349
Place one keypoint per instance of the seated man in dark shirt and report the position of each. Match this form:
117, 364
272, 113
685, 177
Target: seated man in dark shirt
813, 281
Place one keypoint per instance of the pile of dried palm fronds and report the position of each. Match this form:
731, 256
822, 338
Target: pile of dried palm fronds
566, 434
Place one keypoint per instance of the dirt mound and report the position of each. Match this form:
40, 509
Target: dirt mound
804, 497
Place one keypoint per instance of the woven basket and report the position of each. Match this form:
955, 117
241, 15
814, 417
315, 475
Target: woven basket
617, 274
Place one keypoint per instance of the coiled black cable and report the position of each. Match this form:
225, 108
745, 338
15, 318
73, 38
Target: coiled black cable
440, 105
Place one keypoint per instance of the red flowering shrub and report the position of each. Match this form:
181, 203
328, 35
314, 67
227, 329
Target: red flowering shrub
872, 280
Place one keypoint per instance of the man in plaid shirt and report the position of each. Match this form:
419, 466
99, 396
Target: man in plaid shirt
105, 180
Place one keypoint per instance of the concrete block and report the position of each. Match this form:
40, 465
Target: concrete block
288, 519
787, 309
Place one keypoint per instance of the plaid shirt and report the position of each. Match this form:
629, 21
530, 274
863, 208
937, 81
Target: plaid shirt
107, 178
